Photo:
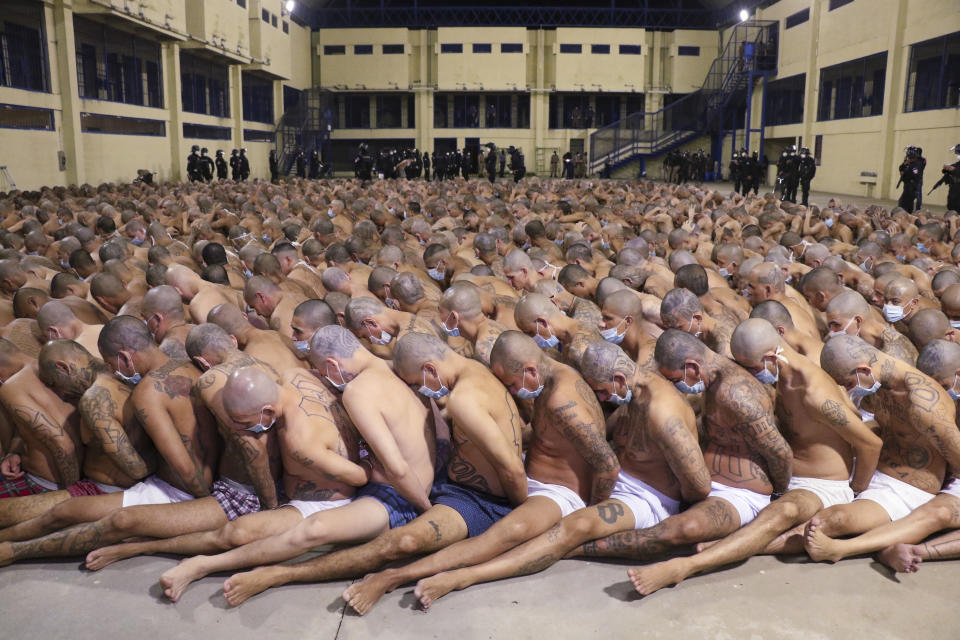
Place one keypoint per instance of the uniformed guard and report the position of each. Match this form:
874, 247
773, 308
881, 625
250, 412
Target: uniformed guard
911, 176
193, 163
221, 165
206, 165
426, 165
314, 165
807, 170
491, 163
274, 166
951, 175
516, 164
791, 176
244, 165
235, 164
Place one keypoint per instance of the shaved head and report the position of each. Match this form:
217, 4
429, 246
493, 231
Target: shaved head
679, 306
601, 360
463, 298
405, 287
940, 360
332, 341
415, 349
360, 309
532, 307
843, 354
228, 317
210, 342
773, 312
56, 315
123, 333
163, 299
247, 391
849, 304
752, 340
675, 347
512, 351
623, 304
67, 368
927, 325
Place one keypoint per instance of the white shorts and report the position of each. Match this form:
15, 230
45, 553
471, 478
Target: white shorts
953, 488
895, 496
648, 505
747, 503
830, 492
567, 499
309, 507
153, 490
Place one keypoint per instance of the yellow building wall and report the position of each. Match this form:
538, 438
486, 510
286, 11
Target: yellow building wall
166, 14
221, 23
35, 168
116, 158
375, 71
593, 72
301, 72
686, 73
481, 71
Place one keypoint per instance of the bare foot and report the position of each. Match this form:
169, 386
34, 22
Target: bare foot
176, 580
703, 546
429, 590
820, 547
100, 558
6, 553
361, 596
904, 558
240, 587
654, 577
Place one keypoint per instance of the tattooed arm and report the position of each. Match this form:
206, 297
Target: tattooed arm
61, 447
98, 411
934, 415
373, 427
481, 429
581, 422
175, 447
750, 412
840, 415
678, 442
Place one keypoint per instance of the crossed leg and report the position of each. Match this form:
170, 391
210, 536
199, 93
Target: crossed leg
16, 510
907, 557
64, 514
781, 515
530, 519
434, 529
942, 512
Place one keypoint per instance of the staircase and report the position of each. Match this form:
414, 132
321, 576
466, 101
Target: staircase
750, 52
304, 128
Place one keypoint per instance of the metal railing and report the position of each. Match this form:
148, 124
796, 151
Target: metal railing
751, 48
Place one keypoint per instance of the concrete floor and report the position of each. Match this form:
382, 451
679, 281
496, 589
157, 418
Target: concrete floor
764, 598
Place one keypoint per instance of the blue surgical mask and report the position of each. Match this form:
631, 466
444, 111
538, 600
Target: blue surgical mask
302, 346
137, 241
260, 427
864, 265
764, 375
618, 399
436, 274
248, 273
893, 313
526, 394
133, 380
559, 242
64, 265
604, 244
339, 386
859, 392
611, 335
955, 324
330, 213
683, 387
266, 238
922, 248
953, 390
430, 393
453, 333
724, 272
548, 342
828, 222
834, 334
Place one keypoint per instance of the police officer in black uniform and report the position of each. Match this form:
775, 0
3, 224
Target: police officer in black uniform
490, 163
314, 164
206, 165
951, 175
781, 173
911, 174
274, 166
923, 168
193, 164
807, 170
791, 175
244, 165
516, 164
235, 164
747, 171
363, 163
221, 165
426, 165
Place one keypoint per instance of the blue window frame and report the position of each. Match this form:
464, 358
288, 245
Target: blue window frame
205, 132
571, 48
23, 54
511, 47
257, 99
14, 116
853, 89
393, 49
688, 51
797, 18
204, 86
480, 47
600, 48
784, 104
362, 49
119, 125
334, 49
117, 66
451, 47
933, 75
630, 49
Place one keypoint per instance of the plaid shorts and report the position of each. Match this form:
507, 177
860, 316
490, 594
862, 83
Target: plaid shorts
235, 499
20, 487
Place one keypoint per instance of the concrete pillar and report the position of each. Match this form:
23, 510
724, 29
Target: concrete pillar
65, 60
170, 52
236, 104
894, 88
811, 89
277, 101
539, 101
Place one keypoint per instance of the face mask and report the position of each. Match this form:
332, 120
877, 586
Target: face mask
893, 313
266, 238
764, 375
436, 274
453, 333
865, 265
858, 393
922, 248
953, 390
620, 400
525, 394
391, 210
134, 379
65, 265
330, 213
338, 386
384, 338
828, 222
724, 272
260, 427
834, 334
548, 342
559, 242
611, 335
302, 346
955, 324
683, 387
526, 245
390, 302
604, 244
699, 329
248, 273
137, 241
430, 393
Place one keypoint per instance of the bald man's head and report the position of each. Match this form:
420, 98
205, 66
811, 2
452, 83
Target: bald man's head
940, 360
847, 312
463, 300
765, 281
681, 357
515, 359
519, 270
775, 313
262, 294
679, 309
849, 360
335, 279
417, 352
250, 398
901, 300
57, 321
819, 286
406, 288
950, 302
927, 325
378, 282
209, 345
229, 318
608, 370
534, 313
755, 344
331, 348
68, 369
309, 316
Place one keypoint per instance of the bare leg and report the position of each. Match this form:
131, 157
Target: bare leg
942, 512
907, 557
16, 510
155, 521
535, 555
436, 528
795, 506
241, 531
530, 519
707, 520
64, 514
